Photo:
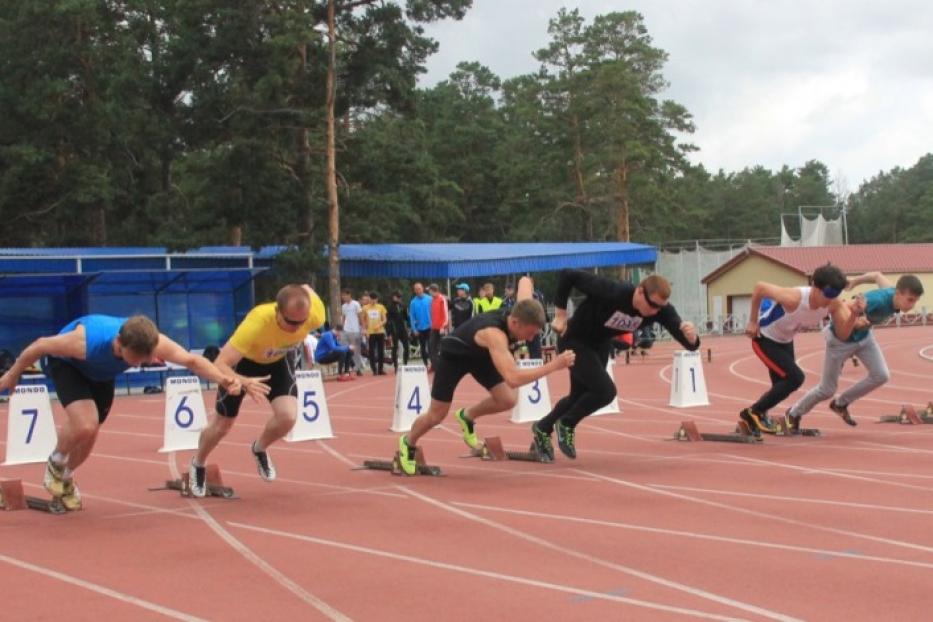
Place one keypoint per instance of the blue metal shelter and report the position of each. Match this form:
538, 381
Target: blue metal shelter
452, 261
196, 298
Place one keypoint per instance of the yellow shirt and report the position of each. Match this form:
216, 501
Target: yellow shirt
375, 315
259, 338
483, 305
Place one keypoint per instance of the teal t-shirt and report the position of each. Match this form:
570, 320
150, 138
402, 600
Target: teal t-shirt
879, 306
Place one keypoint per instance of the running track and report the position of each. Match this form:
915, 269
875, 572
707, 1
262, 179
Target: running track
639, 527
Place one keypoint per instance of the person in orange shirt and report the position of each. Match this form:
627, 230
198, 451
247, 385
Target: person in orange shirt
440, 322
375, 316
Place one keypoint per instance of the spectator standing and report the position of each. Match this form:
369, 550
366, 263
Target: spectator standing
461, 307
419, 315
397, 328
440, 321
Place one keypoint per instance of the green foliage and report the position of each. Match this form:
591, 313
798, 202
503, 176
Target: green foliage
181, 122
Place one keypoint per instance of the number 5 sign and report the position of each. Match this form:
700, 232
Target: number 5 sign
313, 420
534, 400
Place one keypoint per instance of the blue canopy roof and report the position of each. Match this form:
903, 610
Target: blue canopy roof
356, 260
466, 260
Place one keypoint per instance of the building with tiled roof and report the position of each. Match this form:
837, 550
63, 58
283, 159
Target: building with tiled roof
729, 287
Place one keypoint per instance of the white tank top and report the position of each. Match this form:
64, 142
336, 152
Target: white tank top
778, 325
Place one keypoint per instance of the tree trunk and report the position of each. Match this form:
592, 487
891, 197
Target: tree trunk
303, 148
333, 207
622, 209
622, 215
236, 235
100, 226
578, 177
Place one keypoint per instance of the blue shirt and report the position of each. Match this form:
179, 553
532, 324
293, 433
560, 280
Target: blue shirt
419, 313
99, 363
327, 344
879, 306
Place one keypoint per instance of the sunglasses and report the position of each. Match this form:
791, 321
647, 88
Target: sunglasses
290, 322
831, 292
652, 303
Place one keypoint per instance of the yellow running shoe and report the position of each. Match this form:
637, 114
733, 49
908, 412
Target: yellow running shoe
469, 436
406, 456
71, 498
53, 478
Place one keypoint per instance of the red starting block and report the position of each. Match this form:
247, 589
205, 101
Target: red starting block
394, 465
910, 416
215, 484
492, 449
688, 432
13, 498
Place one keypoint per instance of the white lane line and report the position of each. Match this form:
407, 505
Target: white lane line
831, 502
498, 576
693, 535
669, 583
100, 589
277, 576
765, 515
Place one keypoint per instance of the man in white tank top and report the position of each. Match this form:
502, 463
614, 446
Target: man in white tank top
777, 314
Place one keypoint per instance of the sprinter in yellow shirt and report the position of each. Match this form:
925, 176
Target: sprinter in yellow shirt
259, 349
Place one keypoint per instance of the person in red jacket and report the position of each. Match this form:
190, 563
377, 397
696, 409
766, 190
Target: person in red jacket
440, 321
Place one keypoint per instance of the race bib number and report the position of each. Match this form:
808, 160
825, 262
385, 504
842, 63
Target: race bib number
623, 322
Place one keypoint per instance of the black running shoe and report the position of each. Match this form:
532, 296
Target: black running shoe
542, 443
751, 418
793, 423
842, 411
565, 440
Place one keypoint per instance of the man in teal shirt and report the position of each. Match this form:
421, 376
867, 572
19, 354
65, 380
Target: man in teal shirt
880, 304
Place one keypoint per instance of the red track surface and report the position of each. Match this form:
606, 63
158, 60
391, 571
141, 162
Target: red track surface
639, 527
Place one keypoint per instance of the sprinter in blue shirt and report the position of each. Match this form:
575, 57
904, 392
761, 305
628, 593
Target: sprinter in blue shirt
880, 304
83, 360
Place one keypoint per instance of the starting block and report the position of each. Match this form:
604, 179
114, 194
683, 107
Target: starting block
492, 449
783, 429
688, 432
215, 485
13, 498
394, 465
910, 416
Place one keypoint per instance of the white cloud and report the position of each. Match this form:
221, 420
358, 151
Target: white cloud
771, 83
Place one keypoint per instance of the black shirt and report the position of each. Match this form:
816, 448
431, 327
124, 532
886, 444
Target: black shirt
396, 319
608, 310
462, 342
461, 310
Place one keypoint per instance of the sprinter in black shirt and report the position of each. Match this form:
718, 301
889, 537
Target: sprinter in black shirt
610, 307
484, 348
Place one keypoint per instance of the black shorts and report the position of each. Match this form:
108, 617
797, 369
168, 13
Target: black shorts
71, 385
451, 369
281, 382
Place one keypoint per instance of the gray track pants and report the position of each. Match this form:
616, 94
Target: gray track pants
837, 353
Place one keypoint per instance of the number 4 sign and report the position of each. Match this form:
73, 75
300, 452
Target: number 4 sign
313, 421
412, 396
31, 435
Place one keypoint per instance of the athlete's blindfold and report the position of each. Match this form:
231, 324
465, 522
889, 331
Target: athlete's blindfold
831, 292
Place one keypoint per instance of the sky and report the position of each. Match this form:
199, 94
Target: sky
848, 83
